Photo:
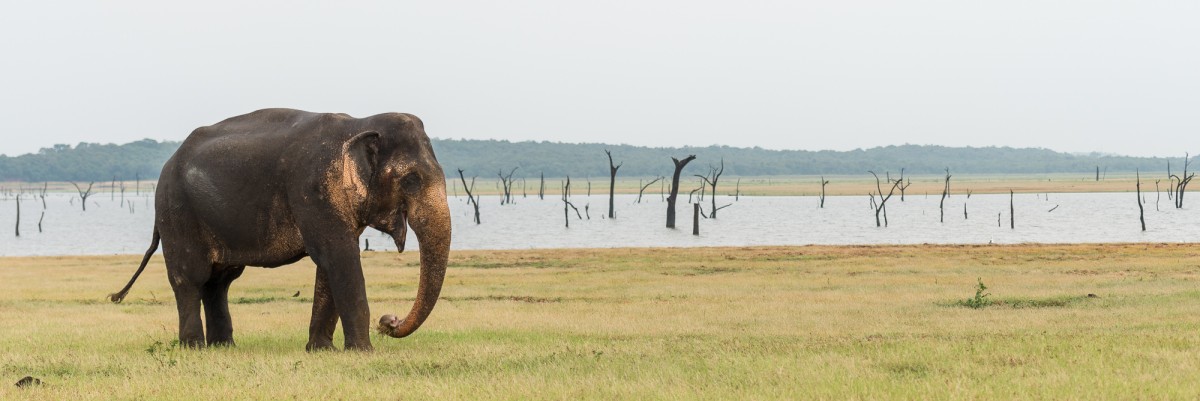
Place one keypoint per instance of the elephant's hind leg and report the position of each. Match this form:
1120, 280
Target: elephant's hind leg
215, 295
187, 277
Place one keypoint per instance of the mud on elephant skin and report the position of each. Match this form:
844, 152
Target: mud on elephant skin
271, 187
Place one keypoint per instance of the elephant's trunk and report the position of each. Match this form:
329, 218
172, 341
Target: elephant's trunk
429, 218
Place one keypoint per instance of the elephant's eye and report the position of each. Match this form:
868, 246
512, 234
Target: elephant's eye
411, 183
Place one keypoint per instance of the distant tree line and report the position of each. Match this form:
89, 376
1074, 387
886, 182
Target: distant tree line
89, 162
144, 159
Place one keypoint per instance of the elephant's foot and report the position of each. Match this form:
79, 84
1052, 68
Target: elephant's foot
221, 343
319, 347
364, 347
193, 343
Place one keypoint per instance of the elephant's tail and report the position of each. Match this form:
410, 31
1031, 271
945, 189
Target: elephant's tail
120, 296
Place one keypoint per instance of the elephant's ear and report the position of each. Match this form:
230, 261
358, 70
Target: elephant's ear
360, 163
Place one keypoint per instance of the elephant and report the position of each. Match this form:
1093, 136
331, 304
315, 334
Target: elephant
273, 186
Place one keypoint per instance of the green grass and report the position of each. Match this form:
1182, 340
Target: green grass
712, 323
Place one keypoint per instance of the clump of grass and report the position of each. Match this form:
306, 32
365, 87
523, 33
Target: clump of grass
254, 300
1048, 302
981, 300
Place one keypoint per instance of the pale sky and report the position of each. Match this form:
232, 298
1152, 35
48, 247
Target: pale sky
1077, 76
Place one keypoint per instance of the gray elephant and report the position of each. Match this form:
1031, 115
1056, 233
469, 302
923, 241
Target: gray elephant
271, 187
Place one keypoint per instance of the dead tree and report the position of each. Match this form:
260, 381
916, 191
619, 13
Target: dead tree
137, 184
18, 214
824, 182
737, 192
1170, 182
1182, 181
470, 198
566, 193
693, 192
964, 210
40, 221
679, 164
83, 195
1141, 210
1157, 195
945, 193
42, 194
882, 205
1012, 212
542, 186
904, 187
612, 182
696, 218
523, 194
714, 175
639, 199
113, 188
506, 181
1097, 173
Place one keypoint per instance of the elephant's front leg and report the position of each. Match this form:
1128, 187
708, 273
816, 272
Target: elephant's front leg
343, 270
324, 315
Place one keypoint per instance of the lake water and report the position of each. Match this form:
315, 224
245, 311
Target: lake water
108, 227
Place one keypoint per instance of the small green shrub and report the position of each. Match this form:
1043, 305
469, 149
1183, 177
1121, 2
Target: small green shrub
980, 300
165, 354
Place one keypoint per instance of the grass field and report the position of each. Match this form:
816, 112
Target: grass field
711, 323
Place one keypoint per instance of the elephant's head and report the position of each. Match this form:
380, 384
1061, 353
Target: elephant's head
405, 187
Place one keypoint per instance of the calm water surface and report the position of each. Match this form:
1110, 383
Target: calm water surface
108, 227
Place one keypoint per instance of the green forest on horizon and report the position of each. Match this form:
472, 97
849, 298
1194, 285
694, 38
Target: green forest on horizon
144, 159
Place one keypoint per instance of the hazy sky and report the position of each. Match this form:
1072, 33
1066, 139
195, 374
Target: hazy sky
1108, 76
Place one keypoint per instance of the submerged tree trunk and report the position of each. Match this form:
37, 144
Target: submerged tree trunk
679, 164
639, 198
1157, 195
945, 193
1141, 210
18, 215
713, 176
612, 182
83, 195
470, 198
566, 193
823, 184
881, 207
695, 219
1182, 181
1012, 212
